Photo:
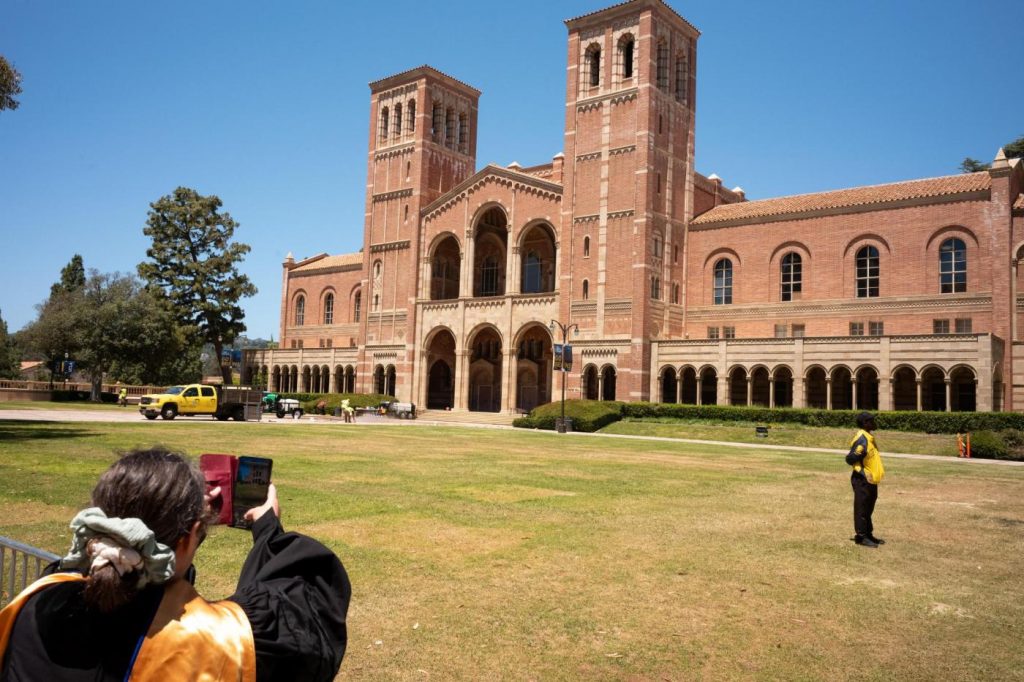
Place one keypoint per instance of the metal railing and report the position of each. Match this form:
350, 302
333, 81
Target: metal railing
20, 565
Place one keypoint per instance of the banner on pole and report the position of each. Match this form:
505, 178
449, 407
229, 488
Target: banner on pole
567, 358
557, 366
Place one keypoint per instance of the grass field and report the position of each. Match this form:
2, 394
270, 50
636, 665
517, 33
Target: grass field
479, 554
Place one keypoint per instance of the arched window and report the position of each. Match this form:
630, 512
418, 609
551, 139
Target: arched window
437, 123
398, 120
655, 288
411, 116
489, 277
384, 119
682, 77
661, 72
792, 276
594, 65
329, 309
953, 266
675, 294
532, 273
464, 133
586, 247
376, 269
586, 290
300, 311
626, 55
357, 306
723, 282
867, 272
449, 128
657, 246
376, 301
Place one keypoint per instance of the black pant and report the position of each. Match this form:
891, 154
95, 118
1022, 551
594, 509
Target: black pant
864, 496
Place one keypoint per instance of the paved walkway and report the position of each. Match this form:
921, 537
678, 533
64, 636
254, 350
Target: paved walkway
132, 415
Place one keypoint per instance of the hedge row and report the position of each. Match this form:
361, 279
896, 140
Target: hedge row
81, 396
589, 415
586, 415
308, 401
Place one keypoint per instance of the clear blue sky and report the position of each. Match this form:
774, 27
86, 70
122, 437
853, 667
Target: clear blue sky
266, 105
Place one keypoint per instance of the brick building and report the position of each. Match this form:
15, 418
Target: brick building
897, 296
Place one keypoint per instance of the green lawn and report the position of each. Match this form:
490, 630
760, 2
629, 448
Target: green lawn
479, 554
785, 434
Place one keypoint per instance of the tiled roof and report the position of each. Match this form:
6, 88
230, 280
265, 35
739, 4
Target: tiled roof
331, 262
847, 198
629, 2
425, 68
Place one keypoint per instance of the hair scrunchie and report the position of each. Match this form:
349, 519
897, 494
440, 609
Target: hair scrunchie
126, 544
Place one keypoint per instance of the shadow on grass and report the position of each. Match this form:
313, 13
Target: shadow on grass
13, 431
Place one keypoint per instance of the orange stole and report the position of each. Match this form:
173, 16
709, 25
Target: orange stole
189, 638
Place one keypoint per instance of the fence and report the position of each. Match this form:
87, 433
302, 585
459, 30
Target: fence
20, 565
26, 385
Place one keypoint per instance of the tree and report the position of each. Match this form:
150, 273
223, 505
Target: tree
114, 328
10, 365
194, 263
1012, 150
72, 276
10, 85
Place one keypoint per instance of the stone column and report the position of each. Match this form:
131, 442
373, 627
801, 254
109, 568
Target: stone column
462, 380
949, 395
700, 389
885, 396
918, 382
466, 270
771, 392
512, 281
513, 380
828, 393
600, 386
853, 388
750, 390
425, 277
799, 394
679, 388
723, 390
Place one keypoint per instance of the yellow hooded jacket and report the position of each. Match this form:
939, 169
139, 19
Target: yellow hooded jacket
864, 444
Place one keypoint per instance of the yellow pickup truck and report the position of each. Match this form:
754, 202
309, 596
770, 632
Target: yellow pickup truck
220, 402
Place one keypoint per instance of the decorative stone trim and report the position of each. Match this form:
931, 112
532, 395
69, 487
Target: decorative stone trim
324, 271
586, 218
544, 298
389, 246
618, 305
400, 150
519, 182
622, 150
597, 101
762, 310
589, 156
612, 215
387, 196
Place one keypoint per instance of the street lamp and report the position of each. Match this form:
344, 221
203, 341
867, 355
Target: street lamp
555, 324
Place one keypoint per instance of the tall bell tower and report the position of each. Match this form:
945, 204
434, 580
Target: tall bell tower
628, 187
422, 143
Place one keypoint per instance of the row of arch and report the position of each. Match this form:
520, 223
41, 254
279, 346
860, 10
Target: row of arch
624, 68
535, 253
840, 388
320, 378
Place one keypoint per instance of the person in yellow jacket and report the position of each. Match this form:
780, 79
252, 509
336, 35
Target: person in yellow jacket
868, 472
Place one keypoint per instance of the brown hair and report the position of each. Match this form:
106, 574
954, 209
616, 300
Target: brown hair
161, 487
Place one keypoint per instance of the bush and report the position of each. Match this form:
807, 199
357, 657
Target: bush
80, 397
308, 401
988, 445
586, 415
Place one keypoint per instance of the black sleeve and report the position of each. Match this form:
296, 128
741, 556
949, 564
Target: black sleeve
295, 593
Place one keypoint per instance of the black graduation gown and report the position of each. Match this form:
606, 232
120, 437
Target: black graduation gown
294, 591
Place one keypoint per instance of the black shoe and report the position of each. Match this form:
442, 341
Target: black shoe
865, 541
877, 541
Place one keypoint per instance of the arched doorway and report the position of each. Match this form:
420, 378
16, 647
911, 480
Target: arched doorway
904, 389
842, 389
440, 363
783, 378
964, 390
537, 260
608, 383
390, 379
445, 268
867, 388
738, 386
379, 382
760, 389
304, 386
534, 376
590, 382
669, 384
350, 379
814, 384
485, 371
708, 386
933, 390
275, 379
490, 249
689, 378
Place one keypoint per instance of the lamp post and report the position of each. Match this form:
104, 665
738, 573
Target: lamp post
555, 324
